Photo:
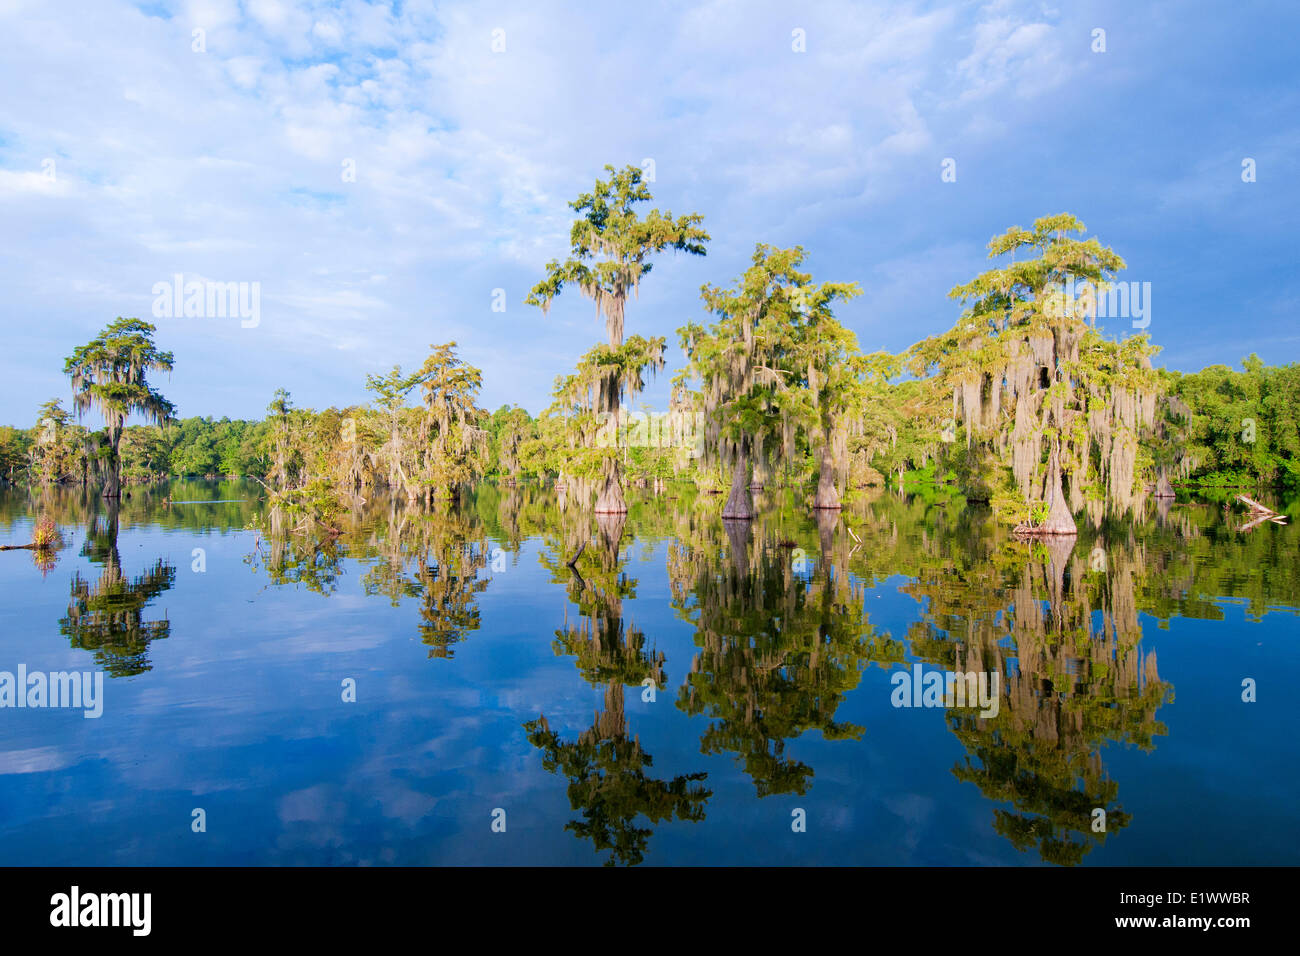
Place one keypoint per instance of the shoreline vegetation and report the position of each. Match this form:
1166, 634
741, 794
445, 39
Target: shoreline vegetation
1022, 404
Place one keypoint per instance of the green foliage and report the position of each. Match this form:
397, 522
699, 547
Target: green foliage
109, 374
611, 244
14, 448
1033, 382
610, 248
777, 379
775, 363
1243, 429
510, 429
56, 448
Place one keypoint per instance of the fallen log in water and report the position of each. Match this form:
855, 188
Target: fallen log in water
1259, 513
1255, 506
1042, 530
45, 537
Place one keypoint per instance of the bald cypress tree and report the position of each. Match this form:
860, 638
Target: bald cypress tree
109, 373
1033, 381
774, 361
611, 244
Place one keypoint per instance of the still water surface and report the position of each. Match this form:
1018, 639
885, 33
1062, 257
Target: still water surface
490, 675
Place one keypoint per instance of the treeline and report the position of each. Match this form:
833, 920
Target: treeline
1022, 403
59, 450
1240, 430
1219, 427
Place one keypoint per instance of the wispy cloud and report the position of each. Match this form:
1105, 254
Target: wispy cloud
314, 146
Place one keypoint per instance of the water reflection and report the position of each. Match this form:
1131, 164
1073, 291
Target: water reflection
436, 557
1075, 679
606, 769
779, 647
608, 783
107, 617
773, 638
289, 556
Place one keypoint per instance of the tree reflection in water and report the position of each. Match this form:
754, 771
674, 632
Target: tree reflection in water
779, 650
779, 643
1027, 611
605, 767
107, 617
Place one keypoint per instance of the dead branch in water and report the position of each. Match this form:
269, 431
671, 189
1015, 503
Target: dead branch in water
1259, 514
1255, 507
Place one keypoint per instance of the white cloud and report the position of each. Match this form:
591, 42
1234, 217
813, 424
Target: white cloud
230, 163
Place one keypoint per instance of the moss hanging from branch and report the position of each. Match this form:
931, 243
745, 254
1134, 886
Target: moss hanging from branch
610, 247
1032, 377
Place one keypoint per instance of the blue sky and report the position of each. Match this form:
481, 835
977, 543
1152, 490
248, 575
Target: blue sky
226, 165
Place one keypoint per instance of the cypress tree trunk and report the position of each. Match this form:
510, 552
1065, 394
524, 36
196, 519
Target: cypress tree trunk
1059, 519
762, 469
112, 482
740, 503
113, 471
611, 500
828, 496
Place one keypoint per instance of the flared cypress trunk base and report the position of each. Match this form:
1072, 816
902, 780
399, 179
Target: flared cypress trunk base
828, 496
1059, 520
611, 500
740, 503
